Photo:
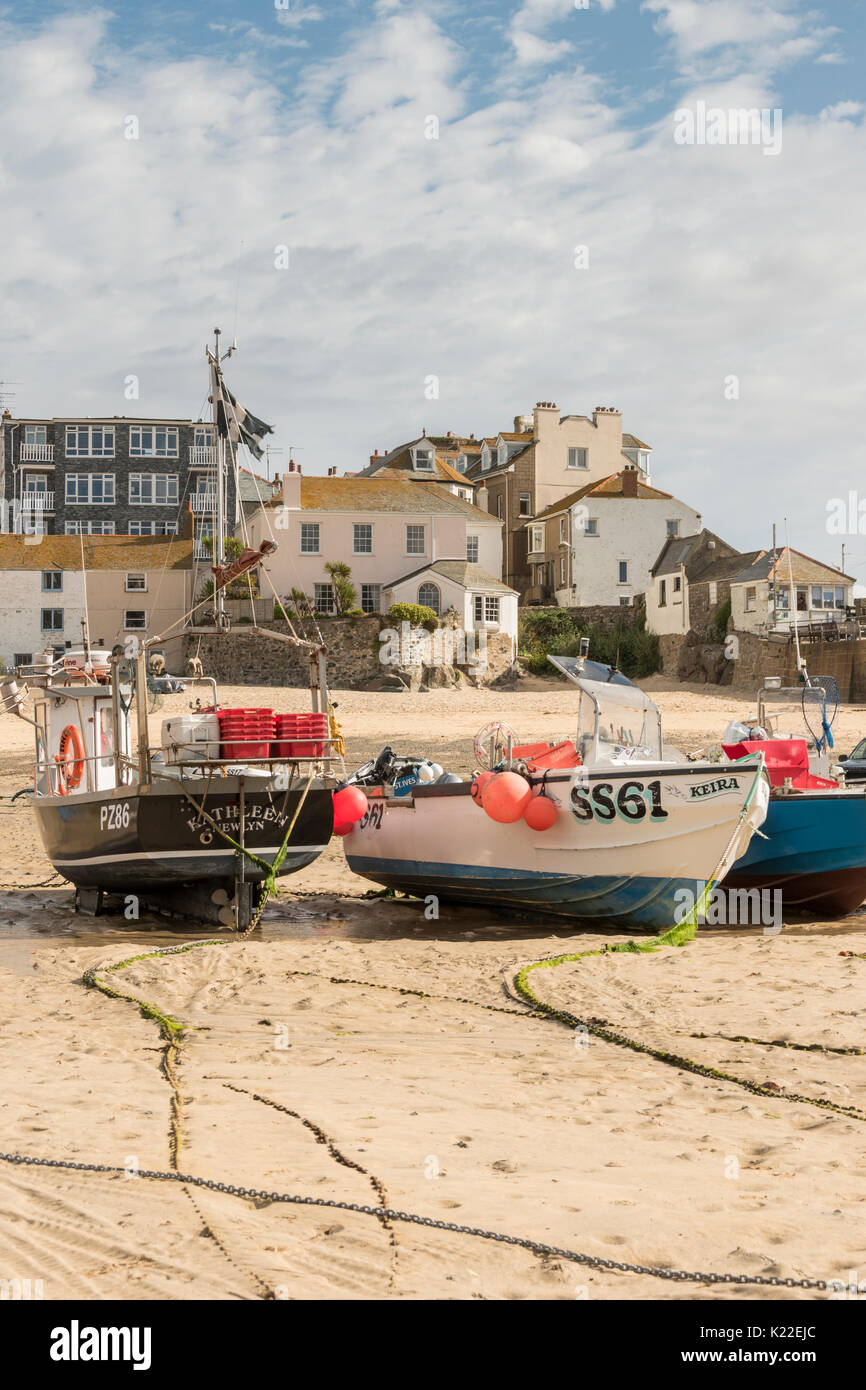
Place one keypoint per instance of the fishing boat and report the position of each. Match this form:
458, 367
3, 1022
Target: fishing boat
610, 827
195, 823
812, 849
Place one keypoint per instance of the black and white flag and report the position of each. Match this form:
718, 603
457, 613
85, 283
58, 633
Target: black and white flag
236, 423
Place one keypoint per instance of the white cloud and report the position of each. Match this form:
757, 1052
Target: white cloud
721, 37
454, 257
298, 13
842, 111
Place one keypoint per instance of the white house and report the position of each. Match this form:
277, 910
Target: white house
597, 545
382, 528
482, 603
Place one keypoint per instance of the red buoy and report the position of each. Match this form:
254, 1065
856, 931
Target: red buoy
350, 804
505, 797
479, 782
541, 813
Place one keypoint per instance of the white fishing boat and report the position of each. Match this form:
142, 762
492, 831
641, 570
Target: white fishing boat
623, 824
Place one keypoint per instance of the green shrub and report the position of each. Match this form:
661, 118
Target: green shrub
720, 620
416, 614
633, 650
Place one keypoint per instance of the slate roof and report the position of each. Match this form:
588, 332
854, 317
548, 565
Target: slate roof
462, 572
611, 486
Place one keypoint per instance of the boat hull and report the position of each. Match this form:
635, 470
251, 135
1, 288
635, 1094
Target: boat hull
628, 846
155, 837
814, 853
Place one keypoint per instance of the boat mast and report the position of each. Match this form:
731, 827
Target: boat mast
219, 524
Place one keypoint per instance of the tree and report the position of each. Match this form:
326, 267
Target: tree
345, 594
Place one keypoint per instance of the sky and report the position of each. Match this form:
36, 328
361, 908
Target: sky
428, 215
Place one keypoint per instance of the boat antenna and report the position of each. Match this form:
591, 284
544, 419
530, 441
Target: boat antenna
792, 608
85, 621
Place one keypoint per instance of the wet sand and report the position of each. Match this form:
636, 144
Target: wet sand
435, 1105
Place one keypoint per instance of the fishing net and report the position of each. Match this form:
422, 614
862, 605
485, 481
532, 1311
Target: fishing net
820, 707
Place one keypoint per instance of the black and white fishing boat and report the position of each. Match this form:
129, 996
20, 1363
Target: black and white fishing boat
195, 824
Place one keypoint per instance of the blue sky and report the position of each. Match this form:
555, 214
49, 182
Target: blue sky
307, 128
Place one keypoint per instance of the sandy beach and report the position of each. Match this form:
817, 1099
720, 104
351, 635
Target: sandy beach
352, 1050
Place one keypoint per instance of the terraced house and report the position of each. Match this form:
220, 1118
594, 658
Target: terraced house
109, 475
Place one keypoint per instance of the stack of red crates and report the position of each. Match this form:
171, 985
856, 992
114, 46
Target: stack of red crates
246, 733
300, 735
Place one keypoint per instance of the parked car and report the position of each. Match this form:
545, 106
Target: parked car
855, 764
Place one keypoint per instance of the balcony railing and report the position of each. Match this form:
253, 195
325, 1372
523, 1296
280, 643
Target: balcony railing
37, 502
200, 553
202, 457
37, 453
203, 501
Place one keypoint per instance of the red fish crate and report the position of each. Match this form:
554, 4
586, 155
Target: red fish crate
246, 733
300, 735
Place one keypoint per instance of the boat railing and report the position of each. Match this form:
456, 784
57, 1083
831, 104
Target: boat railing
49, 768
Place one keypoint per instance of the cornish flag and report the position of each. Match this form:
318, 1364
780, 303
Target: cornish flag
236, 423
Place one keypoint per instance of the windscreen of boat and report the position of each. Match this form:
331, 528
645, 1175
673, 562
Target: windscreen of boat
617, 721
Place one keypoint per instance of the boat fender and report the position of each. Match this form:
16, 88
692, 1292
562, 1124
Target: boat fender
70, 769
505, 797
479, 782
541, 812
350, 805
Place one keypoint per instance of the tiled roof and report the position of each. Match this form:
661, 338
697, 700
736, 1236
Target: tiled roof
379, 494
631, 441
461, 572
776, 564
100, 552
511, 436
603, 487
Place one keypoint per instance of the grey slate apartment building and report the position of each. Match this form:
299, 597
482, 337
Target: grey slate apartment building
113, 475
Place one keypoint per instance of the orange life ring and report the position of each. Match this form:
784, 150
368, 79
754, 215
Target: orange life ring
70, 770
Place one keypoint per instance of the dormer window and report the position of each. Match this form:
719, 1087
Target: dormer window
461, 463
424, 460
485, 457
502, 453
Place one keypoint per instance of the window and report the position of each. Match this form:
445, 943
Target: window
22, 659
202, 437
93, 528
590, 526
563, 530
526, 504
153, 489
622, 568
461, 463
501, 453
428, 594
136, 583
499, 512
52, 581
673, 527
90, 441
309, 537
52, 620
487, 608
485, 458
323, 598
678, 583
578, 458
751, 599
151, 528
134, 620
561, 570
371, 598
472, 549
35, 434
152, 441
424, 460
90, 488
536, 538
415, 543
624, 602
713, 594
663, 593
362, 539
35, 482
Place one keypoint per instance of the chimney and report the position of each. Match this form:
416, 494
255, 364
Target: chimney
629, 481
374, 458
545, 415
482, 497
292, 487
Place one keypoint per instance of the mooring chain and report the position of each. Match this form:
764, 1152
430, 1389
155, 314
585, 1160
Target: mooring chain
783, 1042
336, 1154
384, 1214
421, 994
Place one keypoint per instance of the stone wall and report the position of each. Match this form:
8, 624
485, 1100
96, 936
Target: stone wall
607, 615
692, 659
243, 658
